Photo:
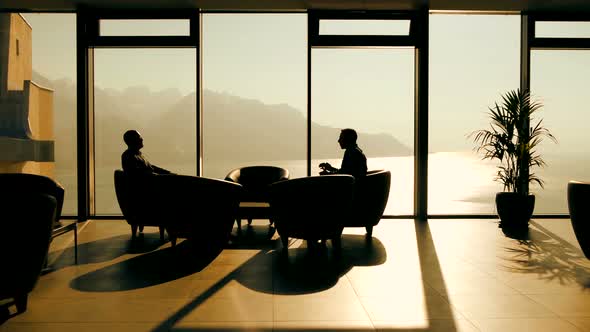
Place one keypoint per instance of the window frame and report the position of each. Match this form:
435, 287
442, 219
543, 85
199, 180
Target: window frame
94, 39
535, 42
318, 40
416, 38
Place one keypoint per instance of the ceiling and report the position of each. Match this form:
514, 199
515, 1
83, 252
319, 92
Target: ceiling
280, 5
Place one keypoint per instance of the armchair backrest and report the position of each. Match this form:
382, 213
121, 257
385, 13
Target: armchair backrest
578, 196
22, 182
256, 179
139, 198
199, 207
370, 198
316, 204
28, 218
122, 193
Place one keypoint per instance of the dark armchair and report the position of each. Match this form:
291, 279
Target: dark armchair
35, 183
578, 199
28, 217
185, 206
139, 201
255, 180
311, 208
370, 198
28, 183
200, 209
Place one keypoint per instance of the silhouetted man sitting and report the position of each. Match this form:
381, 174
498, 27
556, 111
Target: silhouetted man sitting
133, 161
354, 161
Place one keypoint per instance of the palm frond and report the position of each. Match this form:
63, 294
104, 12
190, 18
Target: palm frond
512, 139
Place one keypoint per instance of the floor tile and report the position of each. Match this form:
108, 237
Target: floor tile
566, 305
404, 308
98, 310
229, 310
296, 308
77, 327
447, 275
499, 306
323, 326
525, 325
224, 326
431, 325
581, 323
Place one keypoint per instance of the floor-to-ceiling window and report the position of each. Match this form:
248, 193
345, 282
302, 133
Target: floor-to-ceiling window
252, 71
473, 60
54, 67
372, 91
254, 92
559, 79
369, 88
149, 90
152, 90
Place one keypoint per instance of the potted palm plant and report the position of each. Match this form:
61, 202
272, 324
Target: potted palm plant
512, 139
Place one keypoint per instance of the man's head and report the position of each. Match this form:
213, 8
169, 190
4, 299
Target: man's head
347, 138
133, 139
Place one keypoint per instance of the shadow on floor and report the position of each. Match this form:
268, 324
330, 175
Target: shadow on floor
550, 257
149, 269
353, 254
254, 237
300, 271
516, 233
105, 250
303, 270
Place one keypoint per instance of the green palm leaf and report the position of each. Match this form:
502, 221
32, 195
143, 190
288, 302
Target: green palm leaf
512, 139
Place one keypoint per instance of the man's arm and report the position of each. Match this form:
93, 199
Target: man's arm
328, 169
159, 170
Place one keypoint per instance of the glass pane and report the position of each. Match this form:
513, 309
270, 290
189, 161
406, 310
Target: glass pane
468, 73
365, 27
54, 67
144, 28
371, 91
559, 79
254, 98
152, 91
562, 29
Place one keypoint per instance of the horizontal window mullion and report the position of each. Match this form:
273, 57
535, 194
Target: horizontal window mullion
152, 41
560, 43
331, 40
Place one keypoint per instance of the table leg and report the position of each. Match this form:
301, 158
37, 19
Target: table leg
76, 243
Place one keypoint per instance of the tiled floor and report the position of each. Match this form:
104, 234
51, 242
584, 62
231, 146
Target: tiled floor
447, 275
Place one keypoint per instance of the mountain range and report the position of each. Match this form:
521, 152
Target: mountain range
236, 128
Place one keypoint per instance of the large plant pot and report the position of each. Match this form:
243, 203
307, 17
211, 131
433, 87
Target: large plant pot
578, 201
515, 210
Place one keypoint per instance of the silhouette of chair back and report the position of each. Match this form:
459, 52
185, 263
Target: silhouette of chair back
198, 208
311, 208
255, 180
370, 198
28, 216
139, 201
578, 200
35, 183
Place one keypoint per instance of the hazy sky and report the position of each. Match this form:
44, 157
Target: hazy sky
473, 59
